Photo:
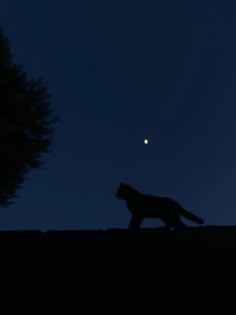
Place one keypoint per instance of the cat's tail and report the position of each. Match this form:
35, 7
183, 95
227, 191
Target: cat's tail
188, 215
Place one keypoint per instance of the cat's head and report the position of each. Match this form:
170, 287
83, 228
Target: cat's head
125, 191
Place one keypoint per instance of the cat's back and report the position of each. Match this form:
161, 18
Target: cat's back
150, 202
141, 202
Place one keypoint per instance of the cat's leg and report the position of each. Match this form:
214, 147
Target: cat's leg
135, 222
180, 225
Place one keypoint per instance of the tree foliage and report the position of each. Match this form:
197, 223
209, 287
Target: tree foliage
26, 120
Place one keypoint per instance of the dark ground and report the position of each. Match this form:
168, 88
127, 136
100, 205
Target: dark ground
191, 262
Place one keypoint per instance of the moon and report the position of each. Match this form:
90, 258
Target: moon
146, 141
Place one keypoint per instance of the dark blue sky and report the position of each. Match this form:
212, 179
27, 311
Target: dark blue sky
120, 71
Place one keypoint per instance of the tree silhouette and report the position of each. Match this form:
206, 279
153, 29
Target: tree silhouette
26, 120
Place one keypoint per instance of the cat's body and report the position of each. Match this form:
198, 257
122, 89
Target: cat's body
147, 206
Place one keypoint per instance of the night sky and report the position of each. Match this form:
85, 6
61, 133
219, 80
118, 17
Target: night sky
120, 71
